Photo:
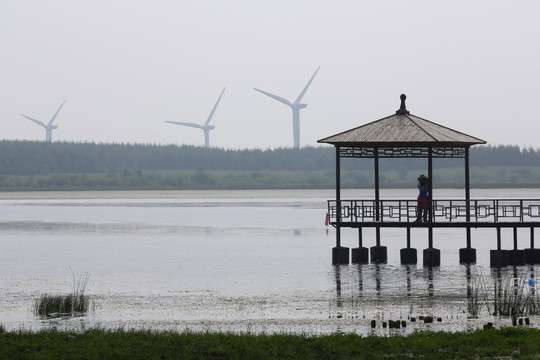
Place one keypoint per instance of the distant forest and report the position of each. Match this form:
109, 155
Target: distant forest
41, 158
36, 165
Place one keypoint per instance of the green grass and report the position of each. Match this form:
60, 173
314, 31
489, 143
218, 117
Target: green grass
96, 344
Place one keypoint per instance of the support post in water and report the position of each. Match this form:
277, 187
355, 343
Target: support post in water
379, 253
499, 257
408, 255
360, 255
532, 255
516, 256
432, 256
340, 254
467, 255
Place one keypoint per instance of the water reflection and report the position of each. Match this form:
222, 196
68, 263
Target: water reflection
468, 275
430, 286
408, 272
337, 277
377, 274
461, 293
360, 279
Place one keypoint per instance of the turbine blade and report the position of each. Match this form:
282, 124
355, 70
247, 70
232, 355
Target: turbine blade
214, 109
34, 120
280, 99
305, 89
185, 124
56, 113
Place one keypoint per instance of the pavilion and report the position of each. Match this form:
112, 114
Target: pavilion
403, 135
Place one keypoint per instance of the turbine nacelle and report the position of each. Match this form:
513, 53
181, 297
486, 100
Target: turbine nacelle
296, 106
49, 127
205, 127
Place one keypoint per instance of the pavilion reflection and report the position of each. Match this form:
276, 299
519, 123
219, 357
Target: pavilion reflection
369, 288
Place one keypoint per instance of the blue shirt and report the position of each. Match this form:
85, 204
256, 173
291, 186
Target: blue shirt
422, 188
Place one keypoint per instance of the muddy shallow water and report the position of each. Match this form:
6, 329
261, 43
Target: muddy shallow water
242, 261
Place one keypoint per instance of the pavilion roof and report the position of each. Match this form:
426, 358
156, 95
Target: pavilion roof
404, 130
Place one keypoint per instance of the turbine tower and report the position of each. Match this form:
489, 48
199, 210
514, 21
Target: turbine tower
205, 128
49, 127
295, 106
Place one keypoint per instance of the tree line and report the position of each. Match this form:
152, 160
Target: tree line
31, 158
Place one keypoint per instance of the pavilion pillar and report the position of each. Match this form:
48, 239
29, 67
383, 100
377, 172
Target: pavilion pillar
378, 253
340, 254
432, 256
467, 255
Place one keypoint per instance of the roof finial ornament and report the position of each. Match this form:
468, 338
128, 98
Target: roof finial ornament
402, 108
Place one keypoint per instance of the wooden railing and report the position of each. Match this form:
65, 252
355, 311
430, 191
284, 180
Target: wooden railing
485, 210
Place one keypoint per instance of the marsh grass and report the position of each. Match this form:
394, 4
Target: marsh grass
504, 296
65, 305
474, 303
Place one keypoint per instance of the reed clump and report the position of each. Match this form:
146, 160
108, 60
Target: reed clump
65, 305
504, 296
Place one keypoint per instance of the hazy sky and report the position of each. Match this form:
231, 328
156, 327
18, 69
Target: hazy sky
126, 66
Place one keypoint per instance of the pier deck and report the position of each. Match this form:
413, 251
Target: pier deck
445, 213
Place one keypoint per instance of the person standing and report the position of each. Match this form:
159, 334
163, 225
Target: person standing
422, 202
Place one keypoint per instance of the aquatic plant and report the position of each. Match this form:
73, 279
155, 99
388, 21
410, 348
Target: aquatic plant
507, 296
511, 298
70, 305
473, 299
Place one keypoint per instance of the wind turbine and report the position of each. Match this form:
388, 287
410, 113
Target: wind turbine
295, 106
205, 128
49, 127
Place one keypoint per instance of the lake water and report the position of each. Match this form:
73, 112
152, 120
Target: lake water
240, 261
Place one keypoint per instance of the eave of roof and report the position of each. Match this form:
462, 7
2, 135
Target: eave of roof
404, 130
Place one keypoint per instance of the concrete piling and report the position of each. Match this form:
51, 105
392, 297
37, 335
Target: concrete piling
360, 255
532, 256
432, 257
379, 254
408, 256
340, 255
467, 255
498, 258
516, 257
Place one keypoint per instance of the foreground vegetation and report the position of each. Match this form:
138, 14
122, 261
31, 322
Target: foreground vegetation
516, 343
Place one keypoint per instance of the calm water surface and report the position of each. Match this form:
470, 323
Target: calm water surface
257, 261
